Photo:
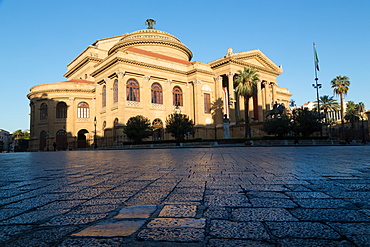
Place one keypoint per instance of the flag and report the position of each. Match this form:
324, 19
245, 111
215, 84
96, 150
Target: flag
316, 57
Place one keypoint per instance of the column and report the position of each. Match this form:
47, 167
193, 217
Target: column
259, 101
121, 95
231, 106
273, 86
71, 117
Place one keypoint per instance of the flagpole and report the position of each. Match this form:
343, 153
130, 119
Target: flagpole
316, 84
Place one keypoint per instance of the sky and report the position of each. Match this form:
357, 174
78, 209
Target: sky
39, 38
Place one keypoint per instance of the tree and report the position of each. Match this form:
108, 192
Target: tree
137, 128
352, 113
245, 85
17, 134
279, 126
306, 121
340, 85
327, 103
179, 125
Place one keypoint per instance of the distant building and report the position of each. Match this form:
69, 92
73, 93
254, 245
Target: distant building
334, 115
5, 140
147, 72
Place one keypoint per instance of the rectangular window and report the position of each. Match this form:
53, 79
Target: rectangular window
207, 103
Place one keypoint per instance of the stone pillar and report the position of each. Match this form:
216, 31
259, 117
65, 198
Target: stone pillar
273, 86
72, 117
232, 100
259, 101
121, 95
197, 103
218, 115
266, 98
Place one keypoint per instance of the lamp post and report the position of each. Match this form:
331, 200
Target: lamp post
95, 141
362, 125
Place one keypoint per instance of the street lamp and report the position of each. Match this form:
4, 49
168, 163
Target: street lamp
363, 129
95, 142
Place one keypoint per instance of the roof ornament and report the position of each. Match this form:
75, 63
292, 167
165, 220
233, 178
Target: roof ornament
150, 23
229, 52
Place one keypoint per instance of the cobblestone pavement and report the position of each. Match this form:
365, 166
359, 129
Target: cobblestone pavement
229, 196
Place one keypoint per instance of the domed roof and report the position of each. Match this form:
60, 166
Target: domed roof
154, 40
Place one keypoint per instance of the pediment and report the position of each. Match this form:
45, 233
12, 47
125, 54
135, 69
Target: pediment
254, 58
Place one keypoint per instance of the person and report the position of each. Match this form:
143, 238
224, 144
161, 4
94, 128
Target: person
55, 146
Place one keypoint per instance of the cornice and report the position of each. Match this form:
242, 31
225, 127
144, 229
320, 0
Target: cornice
81, 64
194, 71
32, 94
129, 43
137, 63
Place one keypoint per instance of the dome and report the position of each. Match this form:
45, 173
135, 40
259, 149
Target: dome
154, 40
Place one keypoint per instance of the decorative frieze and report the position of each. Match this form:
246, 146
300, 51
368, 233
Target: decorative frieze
133, 103
157, 106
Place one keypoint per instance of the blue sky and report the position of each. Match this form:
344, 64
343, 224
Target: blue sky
40, 37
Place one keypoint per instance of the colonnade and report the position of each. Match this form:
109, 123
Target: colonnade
261, 103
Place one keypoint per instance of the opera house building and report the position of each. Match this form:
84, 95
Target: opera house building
147, 72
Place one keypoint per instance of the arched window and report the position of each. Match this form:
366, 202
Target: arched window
177, 96
157, 123
61, 110
115, 129
207, 103
104, 96
83, 110
157, 93
43, 111
158, 131
132, 90
115, 91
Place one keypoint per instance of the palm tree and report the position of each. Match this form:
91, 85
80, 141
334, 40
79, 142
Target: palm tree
340, 85
327, 103
352, 113
245, 85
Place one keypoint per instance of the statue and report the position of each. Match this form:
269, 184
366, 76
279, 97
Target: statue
150, 23
226, 124
278, 109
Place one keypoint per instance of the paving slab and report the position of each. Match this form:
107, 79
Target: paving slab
111, 229
138, 212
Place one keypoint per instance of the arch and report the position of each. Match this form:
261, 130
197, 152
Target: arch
158, 132
43, 111
83, 110
132, 90
61, 110
177, 96
115, 91
42, 140
115, 129
61, 140
157, 93
104, 96
82, 139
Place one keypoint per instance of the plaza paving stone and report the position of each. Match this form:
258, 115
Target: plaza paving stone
193, 197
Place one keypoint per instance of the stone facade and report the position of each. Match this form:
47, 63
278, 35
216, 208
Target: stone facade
147, 72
